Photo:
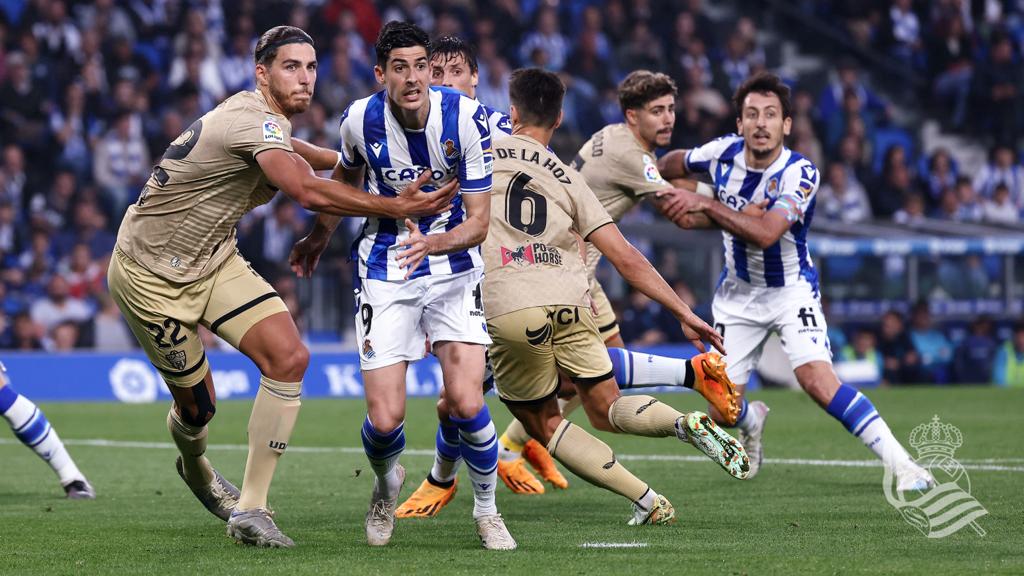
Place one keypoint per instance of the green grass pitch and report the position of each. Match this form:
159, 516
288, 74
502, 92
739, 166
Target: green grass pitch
795, 517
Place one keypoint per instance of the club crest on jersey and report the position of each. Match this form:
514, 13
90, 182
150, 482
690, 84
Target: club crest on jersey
450, 151
773, 186
536, 253
272, 131
368, 352
177, 359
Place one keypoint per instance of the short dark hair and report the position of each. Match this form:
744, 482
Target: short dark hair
763, 83
271, 40
450, 47
398, 34
537, 95
642, 86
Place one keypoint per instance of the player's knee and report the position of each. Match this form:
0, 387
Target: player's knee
443, 411
289, 363
198, 414
466, 407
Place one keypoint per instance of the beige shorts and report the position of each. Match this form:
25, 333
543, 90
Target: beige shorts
532, 345
164, 315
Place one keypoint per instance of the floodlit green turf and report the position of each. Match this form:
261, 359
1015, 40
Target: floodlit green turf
790, 519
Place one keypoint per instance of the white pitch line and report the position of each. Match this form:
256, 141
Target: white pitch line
986, 464
614, 545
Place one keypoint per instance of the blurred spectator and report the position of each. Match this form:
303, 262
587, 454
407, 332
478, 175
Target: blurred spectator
109, 330
940, 175
841, 199
900, 358
949, 206
950, 59
1009, 362
235, 67
64, 337
14, 181
121, 164
999, 84
903, 31
21, 103
12, 231
414, 11
641, 321
971, 209
974, 357
912, 213
1000, 209
547, 39
638, 52
197, 68
89, 226
52, 208
58, 306
73, 128
57, 35
271, 238
26, 334
108, 19
1002, 168
85, 277
931, 344
847, 78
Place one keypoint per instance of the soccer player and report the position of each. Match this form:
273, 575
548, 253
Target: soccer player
769, 283
419, 279
176, 265
539, 316
453, 64
30, 425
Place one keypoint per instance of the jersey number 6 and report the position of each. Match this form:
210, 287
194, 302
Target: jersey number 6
520, 202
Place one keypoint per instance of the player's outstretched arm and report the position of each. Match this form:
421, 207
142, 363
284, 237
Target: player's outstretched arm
471, 232
319, 158
635, 268
755, 225
294, 176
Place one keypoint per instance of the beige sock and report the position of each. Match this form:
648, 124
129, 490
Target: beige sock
512, 442
270, 429
594, 461
191, 442
643, 416
567, 406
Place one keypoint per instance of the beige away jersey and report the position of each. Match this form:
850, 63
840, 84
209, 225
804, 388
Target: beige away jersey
530, 256
619, 171
183, 225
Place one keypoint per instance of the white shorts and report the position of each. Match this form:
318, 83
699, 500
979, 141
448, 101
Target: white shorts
746, 315
394, 319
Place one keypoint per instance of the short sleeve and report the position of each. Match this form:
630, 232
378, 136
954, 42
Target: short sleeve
477, 161
349, 139
698, 160
590, 214
253, 132
639, 174
797, 187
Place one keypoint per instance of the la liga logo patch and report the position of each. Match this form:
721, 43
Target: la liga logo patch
272, 132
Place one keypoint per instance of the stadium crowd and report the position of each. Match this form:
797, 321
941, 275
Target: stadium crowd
91, 93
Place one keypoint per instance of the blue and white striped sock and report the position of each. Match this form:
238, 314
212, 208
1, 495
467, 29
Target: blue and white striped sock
741, 420
383, 450
33, 429
641, 370
479, 447
446, 456
859, 416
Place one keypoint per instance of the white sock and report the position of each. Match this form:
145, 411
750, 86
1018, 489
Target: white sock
641, 370
647, 500
879, 439
33, 429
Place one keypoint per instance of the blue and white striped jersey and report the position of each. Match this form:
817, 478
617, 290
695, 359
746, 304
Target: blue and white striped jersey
499, 123
791, 185
456, 143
